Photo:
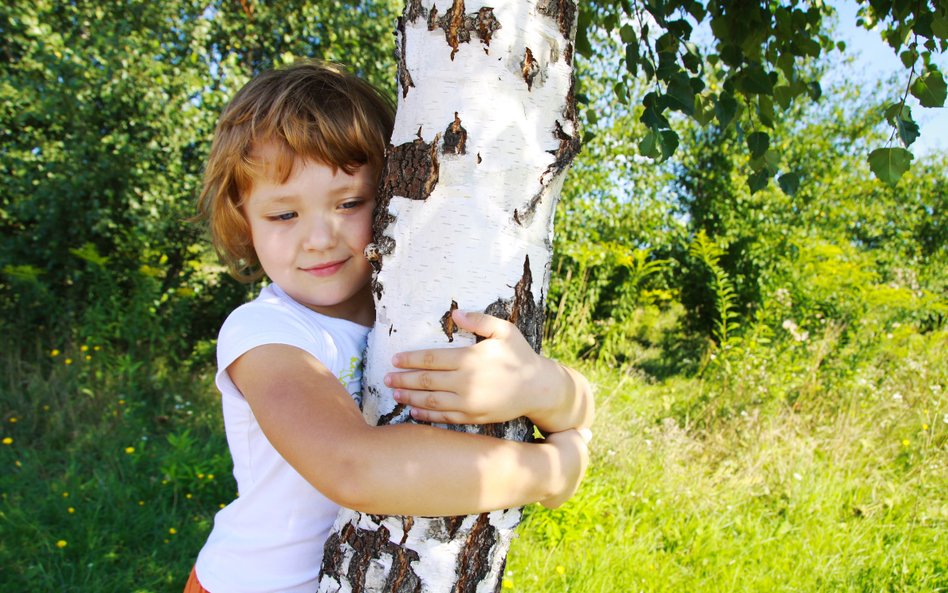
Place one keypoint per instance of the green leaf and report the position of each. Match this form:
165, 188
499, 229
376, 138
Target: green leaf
940, 26
930, 89
889, 164
789, 183
783, 95
632, 58
680, 96
754, 80
814, 90
908, 130
627, 33
704, 110
648, 146
725, 109
765, 109
758, 180
669, 143
758, 143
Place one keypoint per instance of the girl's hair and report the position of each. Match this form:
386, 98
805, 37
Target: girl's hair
310, 110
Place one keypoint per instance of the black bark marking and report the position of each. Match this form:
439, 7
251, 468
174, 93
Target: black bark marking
455, 137
459, 27
411, 170
413, 10
474, 559
529, 68
366, 546
404, 76
522, 310
564, 13
396, 413
447, 322
567, 151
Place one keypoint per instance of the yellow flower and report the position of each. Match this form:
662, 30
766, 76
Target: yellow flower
68, 361
924, 427
141, 503
7, 441
61, 544
83, 348
210, 476
65, 495
508, 584
200, 476
17, 463
560, 570
121, 402
905, 442
88, 357
70, 510
188, 496
129, 450
172, 531
54, 352
13, 420
97, 348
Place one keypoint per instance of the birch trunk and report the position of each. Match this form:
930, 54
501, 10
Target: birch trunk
484, 133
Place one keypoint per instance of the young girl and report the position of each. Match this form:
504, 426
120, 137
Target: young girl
289, 192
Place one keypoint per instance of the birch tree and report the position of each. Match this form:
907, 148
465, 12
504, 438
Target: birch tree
484, 134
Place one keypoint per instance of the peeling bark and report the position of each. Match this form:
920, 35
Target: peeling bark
458, 27
447, 322
529, 68
455, 136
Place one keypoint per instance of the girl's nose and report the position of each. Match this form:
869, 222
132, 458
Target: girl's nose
320, 234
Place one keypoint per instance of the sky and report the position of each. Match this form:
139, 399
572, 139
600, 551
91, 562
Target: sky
875, 60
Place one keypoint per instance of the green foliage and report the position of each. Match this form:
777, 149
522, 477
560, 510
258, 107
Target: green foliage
758, 67
107, 113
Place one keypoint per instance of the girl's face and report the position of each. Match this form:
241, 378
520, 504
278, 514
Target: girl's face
310, 233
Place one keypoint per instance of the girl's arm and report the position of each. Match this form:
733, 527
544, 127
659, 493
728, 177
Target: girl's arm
313, 423
497, 379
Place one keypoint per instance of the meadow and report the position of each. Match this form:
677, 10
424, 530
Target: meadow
114, 468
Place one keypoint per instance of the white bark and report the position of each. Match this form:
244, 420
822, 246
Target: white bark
504, 98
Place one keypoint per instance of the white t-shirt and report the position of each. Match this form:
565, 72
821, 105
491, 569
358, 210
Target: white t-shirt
270, 539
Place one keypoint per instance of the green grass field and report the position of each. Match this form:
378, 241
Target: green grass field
828, 478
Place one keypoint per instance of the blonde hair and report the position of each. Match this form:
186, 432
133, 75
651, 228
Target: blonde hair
309, 110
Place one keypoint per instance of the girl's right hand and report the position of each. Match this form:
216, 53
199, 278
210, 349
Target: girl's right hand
573, 453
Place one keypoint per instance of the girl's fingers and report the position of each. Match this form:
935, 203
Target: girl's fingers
434, 359
441, 401
482, 324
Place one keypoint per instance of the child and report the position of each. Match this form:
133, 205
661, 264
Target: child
289, 191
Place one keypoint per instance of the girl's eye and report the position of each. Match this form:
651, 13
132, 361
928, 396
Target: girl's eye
351, 204
284, 216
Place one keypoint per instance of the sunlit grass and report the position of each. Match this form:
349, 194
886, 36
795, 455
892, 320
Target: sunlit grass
848, 497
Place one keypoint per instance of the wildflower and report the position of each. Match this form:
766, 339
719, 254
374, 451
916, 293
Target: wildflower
905, 442
13, 420
924, 427
560, 570
210, 476
7, 440
45, 408
68, 361
71, 511
188, 496
172, 531
141, 503
61, 544
65, 495
17, 463
222, 505
97, 348
83, 348
200, 476
508, 584
54, 352
897, 397
121, 402
129, 450
88, 358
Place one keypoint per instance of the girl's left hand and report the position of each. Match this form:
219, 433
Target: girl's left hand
495, 380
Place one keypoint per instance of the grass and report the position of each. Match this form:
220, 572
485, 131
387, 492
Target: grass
831, 478
848, 493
